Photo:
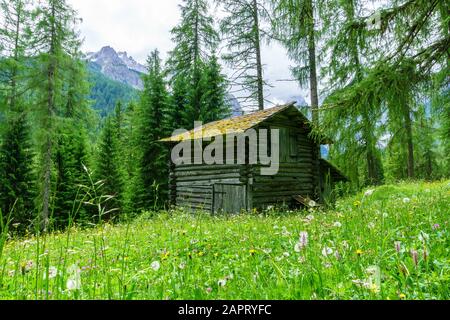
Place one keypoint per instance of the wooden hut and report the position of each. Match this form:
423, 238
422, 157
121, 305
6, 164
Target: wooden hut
234, 187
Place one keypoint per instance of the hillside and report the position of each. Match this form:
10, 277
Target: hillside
105, 92
388, 243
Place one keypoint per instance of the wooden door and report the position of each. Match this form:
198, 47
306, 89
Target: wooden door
229, 198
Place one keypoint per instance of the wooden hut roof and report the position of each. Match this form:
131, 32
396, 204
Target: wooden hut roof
237, 125
335, 173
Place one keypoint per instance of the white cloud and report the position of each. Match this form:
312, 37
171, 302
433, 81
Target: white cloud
139, 26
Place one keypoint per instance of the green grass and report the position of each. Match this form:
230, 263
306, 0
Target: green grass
249, 256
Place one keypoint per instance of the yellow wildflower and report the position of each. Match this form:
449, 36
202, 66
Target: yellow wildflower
402, 296
359, 252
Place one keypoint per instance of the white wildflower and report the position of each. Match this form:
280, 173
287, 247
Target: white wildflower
369, 192
222, 283
337, 224
155, 265
406, 200
73, 284
327, 251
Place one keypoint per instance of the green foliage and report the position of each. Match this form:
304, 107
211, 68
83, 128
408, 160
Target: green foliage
152, 155
71, 157
17, 182
105, 93
110, 169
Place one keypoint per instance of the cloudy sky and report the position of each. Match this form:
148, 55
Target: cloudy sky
139, 26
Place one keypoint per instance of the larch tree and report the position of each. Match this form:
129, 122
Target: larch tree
55, 37
357, 126
243, 34
295, 26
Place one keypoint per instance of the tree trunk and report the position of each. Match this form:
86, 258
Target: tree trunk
313, 66
258, 57
409, 140
13, 99
51, 72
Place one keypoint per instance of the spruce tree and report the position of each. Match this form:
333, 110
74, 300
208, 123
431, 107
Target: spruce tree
70, 158
213, 104
195, 40
109, 171
16, 172
151, 184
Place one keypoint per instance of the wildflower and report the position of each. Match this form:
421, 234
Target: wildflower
310, 218
406, 200
286, 255
398, 246
155, 265
327, 251
337, 224
73, 284
436, 226
209, 290
371, 225
52, 272
252, 252
357, 203
312, 204
201, 254
303, 241
415, 257
402, 296
74, 280
359, 252
369, 193
11, 273
267, 251
182, 266
301, 259
222, 283
423, 237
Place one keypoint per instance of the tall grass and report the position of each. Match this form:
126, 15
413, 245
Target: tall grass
388, 243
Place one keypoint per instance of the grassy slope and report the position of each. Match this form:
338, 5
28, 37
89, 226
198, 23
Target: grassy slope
252, 256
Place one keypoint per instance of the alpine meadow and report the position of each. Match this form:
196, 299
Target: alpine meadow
253, 150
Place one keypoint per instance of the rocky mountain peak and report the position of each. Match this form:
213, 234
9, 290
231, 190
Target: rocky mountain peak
118, 66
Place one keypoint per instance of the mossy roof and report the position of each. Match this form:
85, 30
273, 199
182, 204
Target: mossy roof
233, 125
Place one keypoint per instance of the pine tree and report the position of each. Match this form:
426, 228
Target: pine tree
151, 185
70, 158
16, 156
109, 170
16, 172
195, 40
243, 33
56, 39
213, 104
